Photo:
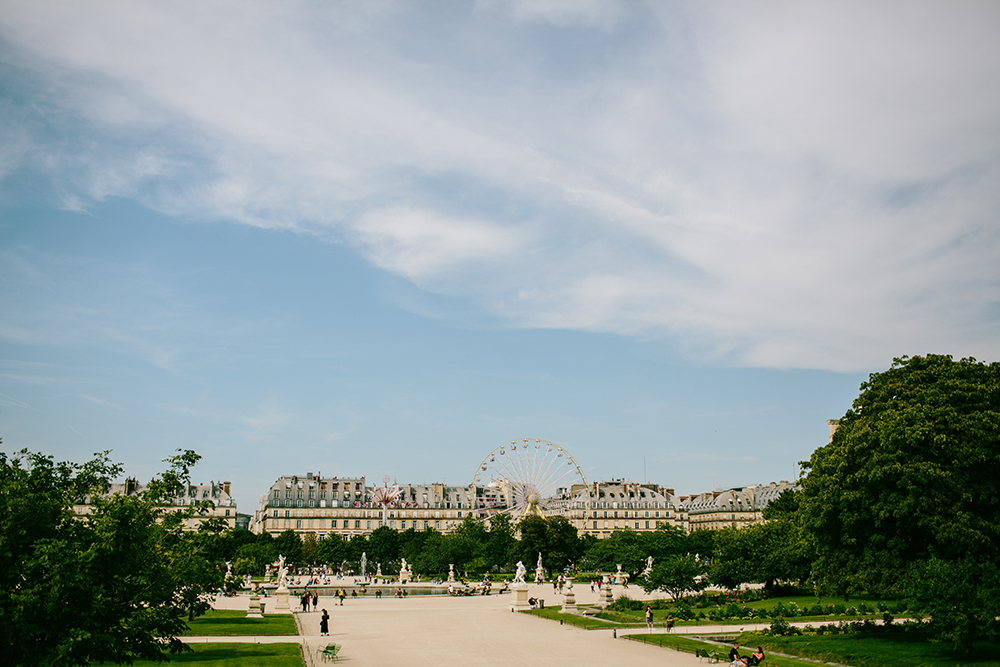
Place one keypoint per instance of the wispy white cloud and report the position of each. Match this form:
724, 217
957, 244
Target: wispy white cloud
100, 401
14, 403
423, 244
783, 184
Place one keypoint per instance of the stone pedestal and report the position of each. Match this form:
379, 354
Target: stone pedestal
539, 575
404, 576
519, 597
255, 610
451, 574
605, 598
282, 605
569, 598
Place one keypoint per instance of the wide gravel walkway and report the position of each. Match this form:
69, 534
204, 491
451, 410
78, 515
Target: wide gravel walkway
468, 631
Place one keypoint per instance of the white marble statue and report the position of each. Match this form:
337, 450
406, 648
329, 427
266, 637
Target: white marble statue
282, 572
519, 575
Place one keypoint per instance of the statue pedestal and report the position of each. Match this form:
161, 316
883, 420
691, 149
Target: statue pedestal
282, 606
606, 597
255, 610
569, 599
539, 575
519, 597
404, 576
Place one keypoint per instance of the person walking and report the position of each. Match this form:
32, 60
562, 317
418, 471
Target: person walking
341, 594
649, 617
324, 624
315, 600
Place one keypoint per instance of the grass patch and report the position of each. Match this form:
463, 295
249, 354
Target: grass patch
892, 649
762, 607
585, 622
680, 643
234, 623
237, 655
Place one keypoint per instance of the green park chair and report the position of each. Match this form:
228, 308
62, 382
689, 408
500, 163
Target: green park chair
705, 655
329, 652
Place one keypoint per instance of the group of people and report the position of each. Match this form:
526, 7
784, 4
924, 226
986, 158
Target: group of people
308, 598
752, 660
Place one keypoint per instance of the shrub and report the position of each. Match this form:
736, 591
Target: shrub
779, 626
625, 603
684, 611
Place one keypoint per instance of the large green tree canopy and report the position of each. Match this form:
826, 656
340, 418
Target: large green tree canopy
905, 499
113, 587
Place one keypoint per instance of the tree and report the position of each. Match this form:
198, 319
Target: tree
760, 553
905, 499
310, 546
784, 554
289, 545
331, 551
435, 555
701, 543
501, 543
736, 556
562, 543
383, 545
534, 540
663, 542
111, 588
675, 575
622, 547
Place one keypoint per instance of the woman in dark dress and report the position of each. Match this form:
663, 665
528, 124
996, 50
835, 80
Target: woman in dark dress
324, 624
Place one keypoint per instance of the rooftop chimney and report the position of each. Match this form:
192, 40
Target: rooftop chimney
833, 424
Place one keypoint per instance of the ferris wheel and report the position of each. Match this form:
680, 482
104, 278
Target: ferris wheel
527, 477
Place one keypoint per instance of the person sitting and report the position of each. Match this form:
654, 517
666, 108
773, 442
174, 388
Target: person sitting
735, 659
756, 657
532, 601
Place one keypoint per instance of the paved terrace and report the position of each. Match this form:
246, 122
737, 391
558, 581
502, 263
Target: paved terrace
474, 631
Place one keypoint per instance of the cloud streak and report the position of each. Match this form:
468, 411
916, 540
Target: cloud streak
778, 185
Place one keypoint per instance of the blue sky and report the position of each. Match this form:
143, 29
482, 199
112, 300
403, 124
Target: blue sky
385, 238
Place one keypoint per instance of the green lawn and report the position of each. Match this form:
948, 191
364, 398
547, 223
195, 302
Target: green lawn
231, 622
680, 643
237, 655
638, 616
585, 622
909, 649
856, 650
